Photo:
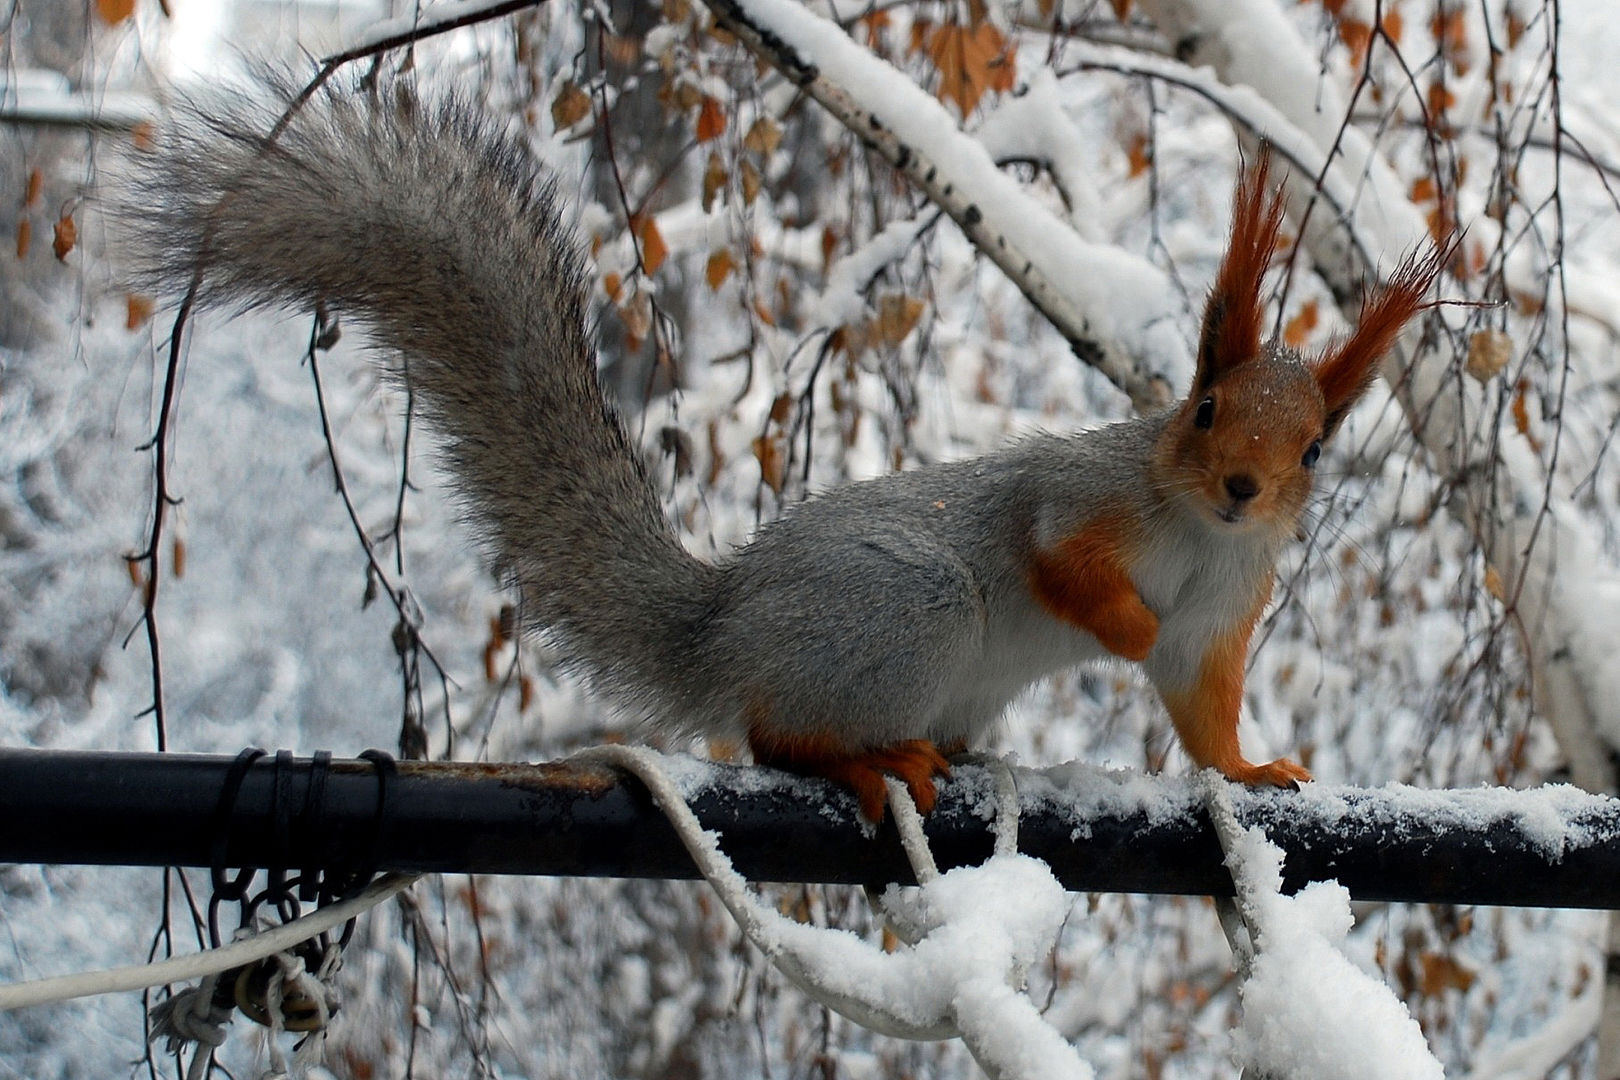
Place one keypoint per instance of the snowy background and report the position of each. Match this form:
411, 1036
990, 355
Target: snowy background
754, 260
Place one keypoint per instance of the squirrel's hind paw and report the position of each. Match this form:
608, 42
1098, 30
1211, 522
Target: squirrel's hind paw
914, 761
1279, 773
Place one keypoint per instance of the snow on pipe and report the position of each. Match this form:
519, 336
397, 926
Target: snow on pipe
1099, 831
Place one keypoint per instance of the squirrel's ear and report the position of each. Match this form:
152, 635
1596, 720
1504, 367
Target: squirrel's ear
1233, 316
1347, 369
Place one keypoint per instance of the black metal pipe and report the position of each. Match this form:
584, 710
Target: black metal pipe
1099, 832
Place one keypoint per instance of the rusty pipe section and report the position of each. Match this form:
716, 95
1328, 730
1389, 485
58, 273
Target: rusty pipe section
1100, 832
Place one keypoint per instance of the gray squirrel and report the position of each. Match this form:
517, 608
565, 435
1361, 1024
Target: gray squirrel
872, 630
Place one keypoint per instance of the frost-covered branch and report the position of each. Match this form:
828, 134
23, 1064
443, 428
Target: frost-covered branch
32, 96
1117, 312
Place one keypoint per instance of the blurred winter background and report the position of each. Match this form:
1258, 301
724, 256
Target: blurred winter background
767, 347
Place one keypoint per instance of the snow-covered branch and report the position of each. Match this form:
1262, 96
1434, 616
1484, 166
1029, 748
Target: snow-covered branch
35, 96
1117, 311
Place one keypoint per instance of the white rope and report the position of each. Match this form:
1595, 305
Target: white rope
211, 962
987, 1010
1236, 914
909, 822
1009, 806
757, 922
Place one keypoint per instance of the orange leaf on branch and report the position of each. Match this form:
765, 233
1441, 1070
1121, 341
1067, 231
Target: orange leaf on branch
569, 106
1298, 329
65, 237
711, 122
653, 249
971, 61
719, 268
113, 12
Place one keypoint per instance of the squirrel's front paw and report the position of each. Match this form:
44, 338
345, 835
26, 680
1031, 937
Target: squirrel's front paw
1279, 773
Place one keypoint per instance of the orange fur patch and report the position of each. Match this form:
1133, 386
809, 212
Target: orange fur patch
1234, 315
1083, 581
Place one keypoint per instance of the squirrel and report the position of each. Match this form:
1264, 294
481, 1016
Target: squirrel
874, 629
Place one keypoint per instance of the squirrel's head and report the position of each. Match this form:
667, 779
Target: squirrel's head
1242, 448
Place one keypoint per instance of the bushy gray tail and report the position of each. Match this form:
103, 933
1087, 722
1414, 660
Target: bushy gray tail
441, 236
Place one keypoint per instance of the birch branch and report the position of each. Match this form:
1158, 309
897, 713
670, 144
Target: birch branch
1117, 312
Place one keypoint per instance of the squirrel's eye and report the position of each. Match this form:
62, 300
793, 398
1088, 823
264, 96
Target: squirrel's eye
1312, 452
1205, 416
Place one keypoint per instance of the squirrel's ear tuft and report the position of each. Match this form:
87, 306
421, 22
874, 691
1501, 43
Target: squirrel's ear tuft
1233, 316
1347, 369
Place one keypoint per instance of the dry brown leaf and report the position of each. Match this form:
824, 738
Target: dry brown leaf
1515, 30
771, 453
525, 693
1493, 584
36, 184
687, 97
1526, 303
1394, 25
711, 122
714, 181
25, 237
636, 314
1122, 9
1423, 189
570, 105
177, 559
719, 268
1441, 973
1440, 224
1521, 414
829, 244
1441, 99
875, 23
752, 181
1450, 30
1488, 353
897, 316
653, 249
1298, 329
1357, 35
781, 408
763, 313
65, 236
1139, 153
971, 61
611, 284
921, 28
113, 12
763, 137
137, 310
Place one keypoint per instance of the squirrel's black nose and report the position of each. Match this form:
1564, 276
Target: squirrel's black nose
1242, 487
